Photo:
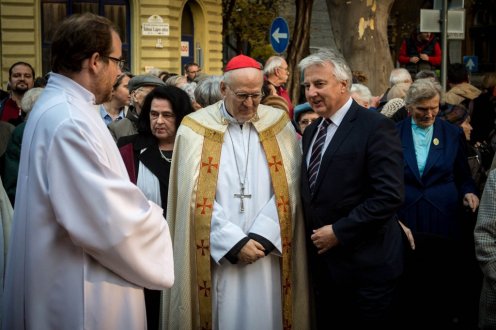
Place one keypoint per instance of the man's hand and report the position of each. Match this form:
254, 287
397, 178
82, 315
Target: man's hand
424, 57
471, 200
375, 101
251, 252
408, 234
324, 238
414, 59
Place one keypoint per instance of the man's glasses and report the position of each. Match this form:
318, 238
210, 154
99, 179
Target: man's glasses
256, 97
120, 63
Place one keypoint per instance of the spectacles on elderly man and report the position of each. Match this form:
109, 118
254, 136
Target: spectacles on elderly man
120, 63
241, 96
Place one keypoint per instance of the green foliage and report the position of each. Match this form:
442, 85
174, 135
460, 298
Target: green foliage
262, 52
249, 22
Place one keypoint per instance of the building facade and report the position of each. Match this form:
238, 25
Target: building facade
161, 34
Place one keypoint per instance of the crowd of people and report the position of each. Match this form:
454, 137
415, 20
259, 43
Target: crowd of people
188, 201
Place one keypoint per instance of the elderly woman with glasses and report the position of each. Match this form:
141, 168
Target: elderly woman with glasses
438, 186
148, 155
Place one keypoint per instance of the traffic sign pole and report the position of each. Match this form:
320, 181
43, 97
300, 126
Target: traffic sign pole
444, 45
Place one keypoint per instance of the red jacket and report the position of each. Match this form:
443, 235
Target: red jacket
412, 47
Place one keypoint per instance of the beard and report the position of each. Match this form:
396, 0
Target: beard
20, 88
103, 97
103, 90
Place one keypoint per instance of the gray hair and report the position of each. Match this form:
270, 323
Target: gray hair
422, 89
189, 88
342, 71
29, 99
399, 75
272, 64
398, 91
207, 91
362, 91
422, 74
174, 80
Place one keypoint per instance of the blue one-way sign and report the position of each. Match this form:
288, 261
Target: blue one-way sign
471, 63
279, 35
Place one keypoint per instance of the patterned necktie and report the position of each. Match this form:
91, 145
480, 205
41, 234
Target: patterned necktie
313, 166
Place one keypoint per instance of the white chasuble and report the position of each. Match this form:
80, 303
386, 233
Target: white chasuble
204, 215
241, 294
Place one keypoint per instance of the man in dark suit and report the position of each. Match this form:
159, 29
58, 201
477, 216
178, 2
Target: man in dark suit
350, 194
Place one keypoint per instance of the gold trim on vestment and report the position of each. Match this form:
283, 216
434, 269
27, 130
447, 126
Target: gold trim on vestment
207, 182
281, 191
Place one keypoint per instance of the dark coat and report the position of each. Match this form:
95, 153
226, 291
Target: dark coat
433, 201
150, 158
359, 189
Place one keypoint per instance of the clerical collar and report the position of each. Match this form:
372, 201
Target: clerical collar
227, 118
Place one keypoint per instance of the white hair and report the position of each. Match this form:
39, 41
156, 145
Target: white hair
342, 71
272, 64
399, 75
362, 91
207, 91
29, 98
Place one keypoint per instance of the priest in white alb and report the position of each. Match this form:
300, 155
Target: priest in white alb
233, 214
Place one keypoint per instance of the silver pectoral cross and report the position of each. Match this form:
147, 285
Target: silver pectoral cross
242, 196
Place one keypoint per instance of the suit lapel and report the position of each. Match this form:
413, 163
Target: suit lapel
409, 148
339, 137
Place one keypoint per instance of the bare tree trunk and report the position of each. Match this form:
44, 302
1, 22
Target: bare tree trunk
360, 30
299, 47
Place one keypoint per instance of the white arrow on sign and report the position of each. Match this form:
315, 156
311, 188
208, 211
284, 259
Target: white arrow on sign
470, 65
276, 35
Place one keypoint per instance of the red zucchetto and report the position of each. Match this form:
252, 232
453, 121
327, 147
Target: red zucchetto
240, 62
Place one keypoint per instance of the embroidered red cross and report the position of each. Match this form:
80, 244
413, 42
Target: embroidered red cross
286, 286
275, 163
210, 165
283, 203
204, 205
204, 287
286, 245
287, 324
202, 247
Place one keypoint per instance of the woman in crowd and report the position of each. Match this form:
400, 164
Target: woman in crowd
459, 116
438, 185
207, 92
148, 157
116, 108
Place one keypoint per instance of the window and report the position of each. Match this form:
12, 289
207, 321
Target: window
54, 11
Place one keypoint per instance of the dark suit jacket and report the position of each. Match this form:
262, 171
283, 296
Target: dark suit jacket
359, 189
433, 201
